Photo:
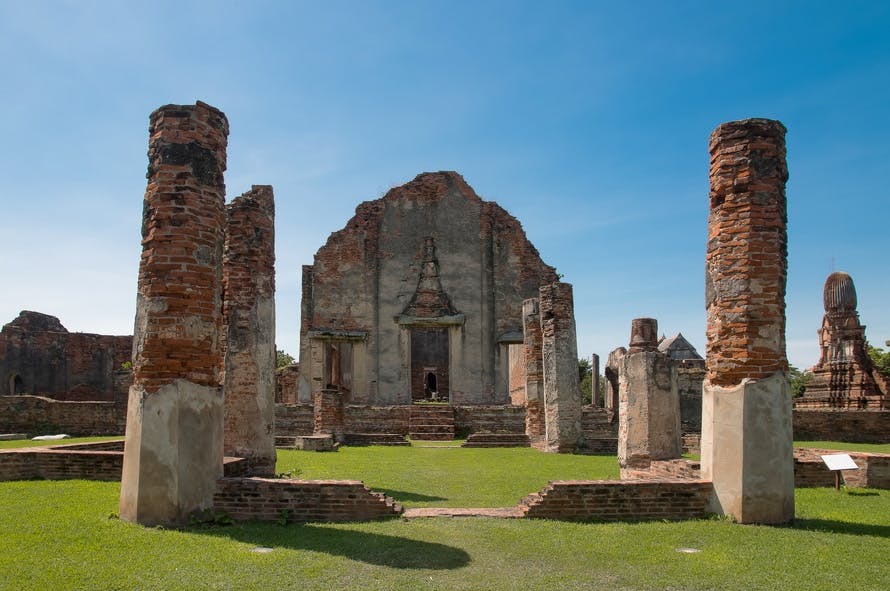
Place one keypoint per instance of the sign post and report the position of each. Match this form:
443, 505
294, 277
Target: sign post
836, 463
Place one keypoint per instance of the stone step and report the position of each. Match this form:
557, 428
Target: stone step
497, 440
431, 420
392, 439
432, 429
432, 436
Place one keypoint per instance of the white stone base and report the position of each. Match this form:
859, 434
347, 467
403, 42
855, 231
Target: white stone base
173, 453
747, 449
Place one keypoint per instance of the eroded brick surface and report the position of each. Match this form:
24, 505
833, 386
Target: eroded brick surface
746, 260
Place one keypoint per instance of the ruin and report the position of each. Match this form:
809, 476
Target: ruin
38, 356
249, 316
746, 446
648, 400
844, 377
174, 445
418, 298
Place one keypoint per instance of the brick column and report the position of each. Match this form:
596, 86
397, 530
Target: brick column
648, 401
562, 391
534, 373
328, 413
746, 400
174, 445
249, 313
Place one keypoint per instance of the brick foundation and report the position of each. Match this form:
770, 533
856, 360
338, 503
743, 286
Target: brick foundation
267, 499
36, 415
842, 425
610, 500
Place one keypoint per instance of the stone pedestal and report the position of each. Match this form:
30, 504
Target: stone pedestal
648, 410
747, 449
562, 391
173, 453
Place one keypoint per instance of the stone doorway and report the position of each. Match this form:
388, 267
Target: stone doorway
429, 364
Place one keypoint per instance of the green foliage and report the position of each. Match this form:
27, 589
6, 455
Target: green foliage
210, 517
283, 359
586, 378
127, 365
799, 380
880, 358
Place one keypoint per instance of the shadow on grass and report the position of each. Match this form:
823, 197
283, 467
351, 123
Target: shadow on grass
379, 549
843, 527
405, 496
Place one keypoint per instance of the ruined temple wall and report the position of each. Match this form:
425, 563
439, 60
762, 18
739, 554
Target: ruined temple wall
62, 365
367, 273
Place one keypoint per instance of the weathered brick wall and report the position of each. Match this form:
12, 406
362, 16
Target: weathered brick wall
294, 419
690, 375
287, 384
842, 425
39, 356
37, 415
535, 427
61, 464
178, 315
746, 261
249, 317
491, 419
598, 423
267, 499
611, 500
678, 468
328, 412
810, 470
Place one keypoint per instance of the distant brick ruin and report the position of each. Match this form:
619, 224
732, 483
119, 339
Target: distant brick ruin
746, 447
844, 377
38, 356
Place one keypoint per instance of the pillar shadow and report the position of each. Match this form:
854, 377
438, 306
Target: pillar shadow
843, 527
378, 549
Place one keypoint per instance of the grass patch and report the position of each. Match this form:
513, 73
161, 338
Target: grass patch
448, 477
59, 535
28, 443
878, 448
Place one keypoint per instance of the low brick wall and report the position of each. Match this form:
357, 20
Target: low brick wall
63, 464
479, 418
861, 426
270, 499
613, 500
84, 461
679, 469
37, 415
810, 470
597, 423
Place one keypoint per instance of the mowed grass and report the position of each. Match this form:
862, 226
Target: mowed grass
17, 443
63, 535
448, 476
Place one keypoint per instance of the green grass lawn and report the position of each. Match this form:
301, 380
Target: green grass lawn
63, 535
880, 448
28, 443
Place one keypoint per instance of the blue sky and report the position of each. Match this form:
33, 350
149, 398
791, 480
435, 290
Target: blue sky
588, 121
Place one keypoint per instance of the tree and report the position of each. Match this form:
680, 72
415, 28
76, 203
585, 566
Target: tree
799, 380
586, 379
880, 358
283, 359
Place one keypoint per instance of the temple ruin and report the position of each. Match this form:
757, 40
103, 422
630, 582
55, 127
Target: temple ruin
418, 298
844, 377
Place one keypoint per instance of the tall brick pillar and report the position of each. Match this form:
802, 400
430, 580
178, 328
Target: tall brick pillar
174, 445
746, 400
249, 312
534, 373
562, 391
648, 401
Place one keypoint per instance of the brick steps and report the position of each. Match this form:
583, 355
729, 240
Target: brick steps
497, 440
431, 422
599, 445
391, 439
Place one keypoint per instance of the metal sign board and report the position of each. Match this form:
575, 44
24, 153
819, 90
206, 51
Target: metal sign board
839, 462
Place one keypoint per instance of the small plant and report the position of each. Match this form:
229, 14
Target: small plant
290, 474
210, 516
283, 517
128, 365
